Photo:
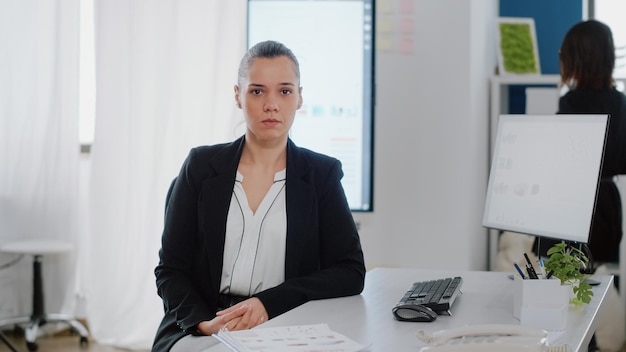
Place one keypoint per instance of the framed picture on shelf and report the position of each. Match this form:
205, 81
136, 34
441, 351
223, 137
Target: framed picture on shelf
517, 46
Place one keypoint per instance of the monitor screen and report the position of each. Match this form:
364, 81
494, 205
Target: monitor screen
334, 43
544, 175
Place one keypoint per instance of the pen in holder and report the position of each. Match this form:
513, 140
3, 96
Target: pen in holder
541, 303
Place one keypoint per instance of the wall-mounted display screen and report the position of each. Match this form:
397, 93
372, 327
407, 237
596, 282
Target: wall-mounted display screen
334, 43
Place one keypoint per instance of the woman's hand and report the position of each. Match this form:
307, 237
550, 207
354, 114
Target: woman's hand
210, 327
241, 316
254, 313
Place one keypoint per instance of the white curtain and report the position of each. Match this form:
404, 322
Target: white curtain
39, 144
165, 73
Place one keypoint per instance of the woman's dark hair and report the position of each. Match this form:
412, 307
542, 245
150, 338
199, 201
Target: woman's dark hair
266, 49
587, 56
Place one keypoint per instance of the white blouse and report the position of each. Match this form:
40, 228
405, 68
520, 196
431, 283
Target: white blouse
254, 251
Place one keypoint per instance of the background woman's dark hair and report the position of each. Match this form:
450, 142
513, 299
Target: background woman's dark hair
266, 49
587, 56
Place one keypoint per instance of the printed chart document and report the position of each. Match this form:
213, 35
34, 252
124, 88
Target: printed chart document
300, 338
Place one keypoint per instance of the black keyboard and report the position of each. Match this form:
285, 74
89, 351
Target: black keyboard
438, 295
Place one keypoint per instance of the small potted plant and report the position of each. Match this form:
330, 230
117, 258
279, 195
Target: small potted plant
565, 263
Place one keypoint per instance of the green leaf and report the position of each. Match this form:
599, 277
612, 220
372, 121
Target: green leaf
566, 262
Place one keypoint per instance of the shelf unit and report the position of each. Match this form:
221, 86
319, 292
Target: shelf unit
499, 103
500, 98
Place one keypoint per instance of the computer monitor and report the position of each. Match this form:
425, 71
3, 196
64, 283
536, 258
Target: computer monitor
544, 175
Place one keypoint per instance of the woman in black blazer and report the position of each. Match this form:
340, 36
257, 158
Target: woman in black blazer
587, 59
258, 226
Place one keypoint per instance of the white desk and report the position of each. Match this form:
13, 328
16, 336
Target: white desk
487, 298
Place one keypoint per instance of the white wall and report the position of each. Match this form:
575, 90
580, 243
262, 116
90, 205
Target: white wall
431, 141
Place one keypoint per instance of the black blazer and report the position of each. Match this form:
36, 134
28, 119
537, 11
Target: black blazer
323, 256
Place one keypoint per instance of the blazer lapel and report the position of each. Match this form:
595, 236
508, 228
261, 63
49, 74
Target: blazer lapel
215, 202
300, 200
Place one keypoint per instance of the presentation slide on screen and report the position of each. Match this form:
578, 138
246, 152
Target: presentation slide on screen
544, 175
328, 39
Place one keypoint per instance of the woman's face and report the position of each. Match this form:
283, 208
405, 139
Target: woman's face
269, 97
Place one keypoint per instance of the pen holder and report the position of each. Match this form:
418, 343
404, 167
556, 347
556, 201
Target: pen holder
541, 303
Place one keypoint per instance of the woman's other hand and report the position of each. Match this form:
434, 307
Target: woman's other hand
210, 327
253, 310
244, 315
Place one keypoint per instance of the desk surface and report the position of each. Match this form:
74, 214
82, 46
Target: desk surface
487, 298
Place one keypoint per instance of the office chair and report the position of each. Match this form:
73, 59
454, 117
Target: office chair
37, 248
7, 342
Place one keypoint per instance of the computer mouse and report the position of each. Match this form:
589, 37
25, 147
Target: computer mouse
414, 312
